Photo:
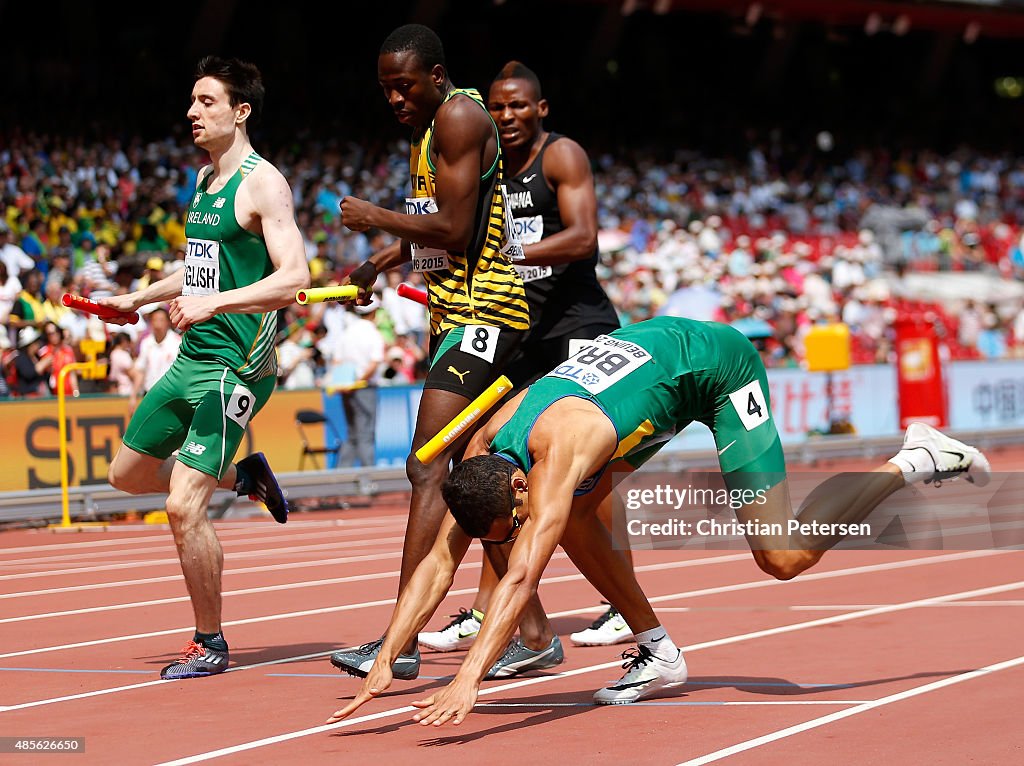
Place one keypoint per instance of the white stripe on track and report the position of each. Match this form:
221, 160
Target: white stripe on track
287, 615
789, 731
592, 668
740, 586
166, 544
224, 529
227, 557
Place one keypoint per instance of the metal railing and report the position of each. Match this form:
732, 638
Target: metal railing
101, 501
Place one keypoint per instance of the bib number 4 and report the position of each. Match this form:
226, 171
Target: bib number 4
750, 405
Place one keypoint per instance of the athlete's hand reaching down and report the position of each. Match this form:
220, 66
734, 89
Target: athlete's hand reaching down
376, 683
453, 703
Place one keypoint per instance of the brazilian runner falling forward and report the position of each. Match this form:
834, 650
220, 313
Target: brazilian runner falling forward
537, 470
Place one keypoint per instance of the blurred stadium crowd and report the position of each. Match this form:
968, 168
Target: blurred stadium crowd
772, 242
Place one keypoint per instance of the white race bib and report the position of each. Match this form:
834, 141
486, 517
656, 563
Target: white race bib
533, 273
511, 245
750, 405
425, 258
202, 267
240, 404
480, 340
601, 363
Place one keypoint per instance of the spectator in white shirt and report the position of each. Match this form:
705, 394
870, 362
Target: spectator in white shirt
360, 356
157, 351
97, 272
295, 359
16, 259
10, 286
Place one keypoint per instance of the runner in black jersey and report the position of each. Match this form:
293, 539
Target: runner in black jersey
550, 191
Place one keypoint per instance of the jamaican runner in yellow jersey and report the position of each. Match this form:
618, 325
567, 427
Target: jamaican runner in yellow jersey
245, 260
456, 232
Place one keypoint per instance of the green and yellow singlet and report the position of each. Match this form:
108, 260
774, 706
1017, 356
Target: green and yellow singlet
479, 286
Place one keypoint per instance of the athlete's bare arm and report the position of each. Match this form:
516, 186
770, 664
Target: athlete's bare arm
428, 586
462, 131
569, 442
567, 170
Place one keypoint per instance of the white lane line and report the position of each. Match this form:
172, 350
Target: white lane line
789, 731
178, 577
303, 584
826, 607
844, 607
144, 684
160, 533
545, 679
167, 545
326, 610
261, 553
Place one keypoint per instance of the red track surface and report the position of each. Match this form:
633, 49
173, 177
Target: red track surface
870, 657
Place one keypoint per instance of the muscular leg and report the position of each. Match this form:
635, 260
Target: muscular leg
199, 550
612, 513
488, 582
589, 544
427, 507
139, 474
846, 498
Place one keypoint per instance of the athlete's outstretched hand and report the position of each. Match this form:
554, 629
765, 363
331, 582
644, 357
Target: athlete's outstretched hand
377, 681
453, 703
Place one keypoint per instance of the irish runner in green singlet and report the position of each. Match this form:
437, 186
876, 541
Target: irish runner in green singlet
244, 262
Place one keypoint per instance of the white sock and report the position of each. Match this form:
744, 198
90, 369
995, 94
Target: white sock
916, 464
658, 643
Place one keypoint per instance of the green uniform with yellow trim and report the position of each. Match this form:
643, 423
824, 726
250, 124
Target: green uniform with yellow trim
477, 302
226, 368
654, 378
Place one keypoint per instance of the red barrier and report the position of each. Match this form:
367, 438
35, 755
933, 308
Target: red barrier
922, 392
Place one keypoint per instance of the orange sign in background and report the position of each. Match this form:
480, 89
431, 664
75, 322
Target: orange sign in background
29, 448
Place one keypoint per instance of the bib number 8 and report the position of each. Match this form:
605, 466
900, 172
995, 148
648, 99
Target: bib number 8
480, 340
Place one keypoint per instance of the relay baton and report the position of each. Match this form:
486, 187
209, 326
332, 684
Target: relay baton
321, 294
464, 420
347, 387
412, 293
78, 303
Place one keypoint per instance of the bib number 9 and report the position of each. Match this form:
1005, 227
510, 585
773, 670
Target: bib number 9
240, 405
